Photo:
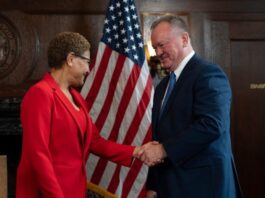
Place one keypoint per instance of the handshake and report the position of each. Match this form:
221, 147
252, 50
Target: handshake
151, 153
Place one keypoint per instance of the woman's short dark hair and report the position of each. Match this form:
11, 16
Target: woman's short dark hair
63, 44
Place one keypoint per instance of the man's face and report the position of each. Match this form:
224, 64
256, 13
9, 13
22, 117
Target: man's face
168, 44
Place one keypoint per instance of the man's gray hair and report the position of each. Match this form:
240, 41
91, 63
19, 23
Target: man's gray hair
174, 21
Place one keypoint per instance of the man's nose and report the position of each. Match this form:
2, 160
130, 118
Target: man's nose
159, 51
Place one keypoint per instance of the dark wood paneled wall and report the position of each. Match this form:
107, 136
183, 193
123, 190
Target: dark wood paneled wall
27, 35
36, 22
228, 32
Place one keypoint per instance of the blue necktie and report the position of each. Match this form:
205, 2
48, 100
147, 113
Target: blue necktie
171, 83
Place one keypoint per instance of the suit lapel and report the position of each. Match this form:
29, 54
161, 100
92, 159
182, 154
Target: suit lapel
81, 105
183, 76
158, 97
160, 92
66, 102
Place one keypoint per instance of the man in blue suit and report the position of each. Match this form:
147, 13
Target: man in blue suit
192, 157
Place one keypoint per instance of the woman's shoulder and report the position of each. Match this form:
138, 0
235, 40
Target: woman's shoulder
40, 90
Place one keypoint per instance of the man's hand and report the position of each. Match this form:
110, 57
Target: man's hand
153, 153
151, 194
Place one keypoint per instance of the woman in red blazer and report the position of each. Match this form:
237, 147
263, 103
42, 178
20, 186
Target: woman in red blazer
58, 134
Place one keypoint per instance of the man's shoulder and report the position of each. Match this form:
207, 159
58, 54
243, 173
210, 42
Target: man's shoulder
200, 61
204, 64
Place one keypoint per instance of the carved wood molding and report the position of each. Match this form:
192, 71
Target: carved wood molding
18, 52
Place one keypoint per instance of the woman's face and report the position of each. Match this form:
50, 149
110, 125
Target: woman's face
80, 68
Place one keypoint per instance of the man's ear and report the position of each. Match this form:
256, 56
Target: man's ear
185, 39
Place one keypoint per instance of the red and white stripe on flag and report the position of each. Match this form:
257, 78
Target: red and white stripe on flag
119, 94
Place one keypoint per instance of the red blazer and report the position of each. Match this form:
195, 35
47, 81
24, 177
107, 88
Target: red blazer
54, 150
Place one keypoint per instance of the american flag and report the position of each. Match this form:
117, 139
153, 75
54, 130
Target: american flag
119, 94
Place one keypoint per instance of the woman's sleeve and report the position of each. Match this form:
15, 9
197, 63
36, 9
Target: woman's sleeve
118, 153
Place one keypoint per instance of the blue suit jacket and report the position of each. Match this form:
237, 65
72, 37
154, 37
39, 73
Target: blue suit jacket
194, 130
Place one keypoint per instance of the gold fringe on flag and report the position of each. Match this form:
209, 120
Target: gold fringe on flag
99, 190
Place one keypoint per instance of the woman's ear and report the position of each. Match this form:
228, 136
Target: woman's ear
70, 58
